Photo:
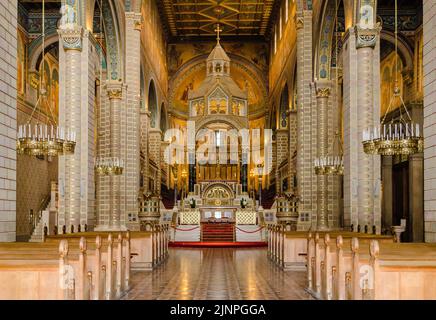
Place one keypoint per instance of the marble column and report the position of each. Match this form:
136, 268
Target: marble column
77, 62
416, 197
322, 96
387, 194
362, 201
132, 119
115, 94
306, 145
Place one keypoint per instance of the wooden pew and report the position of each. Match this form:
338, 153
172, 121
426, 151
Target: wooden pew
78, 260
378, 269
321, 266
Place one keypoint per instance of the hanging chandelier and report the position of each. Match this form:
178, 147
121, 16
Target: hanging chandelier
44, 139
109, 166
106, 166
331, 164
400, 136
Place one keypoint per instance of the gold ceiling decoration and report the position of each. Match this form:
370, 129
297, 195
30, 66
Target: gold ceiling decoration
199, 17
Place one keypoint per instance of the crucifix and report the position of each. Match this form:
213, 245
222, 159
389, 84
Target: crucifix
218, 30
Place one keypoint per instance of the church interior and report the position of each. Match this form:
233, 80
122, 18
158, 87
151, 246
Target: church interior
218, 149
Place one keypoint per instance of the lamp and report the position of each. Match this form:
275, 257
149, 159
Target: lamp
106, 166
47, 138
401, 136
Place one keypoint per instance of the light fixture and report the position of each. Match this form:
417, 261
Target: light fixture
398, 137
44, 139
331, 164
106, 166
109, 166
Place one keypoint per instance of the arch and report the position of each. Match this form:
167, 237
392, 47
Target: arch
238, 63
152, 104
232, 122
35, 48
404, 50
163, 122
209, 190
113, 40
326, 34
284, 108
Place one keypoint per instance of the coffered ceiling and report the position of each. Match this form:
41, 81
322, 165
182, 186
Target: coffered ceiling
198, 18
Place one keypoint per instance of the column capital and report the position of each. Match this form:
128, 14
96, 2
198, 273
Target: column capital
71, 37
136, 18
322, 88
114, 90
299, 21
367, 38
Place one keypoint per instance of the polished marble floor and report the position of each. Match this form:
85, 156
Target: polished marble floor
217, 274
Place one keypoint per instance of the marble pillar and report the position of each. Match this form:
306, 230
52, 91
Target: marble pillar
306, 145
77, 61
323, 91
362, 183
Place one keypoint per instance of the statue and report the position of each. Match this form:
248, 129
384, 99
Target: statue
68, 19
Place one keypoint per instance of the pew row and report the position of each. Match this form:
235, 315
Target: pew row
78, 270
148, 249
289, 250
358, 269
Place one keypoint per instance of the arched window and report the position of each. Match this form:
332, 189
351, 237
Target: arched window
284, 107
152, 104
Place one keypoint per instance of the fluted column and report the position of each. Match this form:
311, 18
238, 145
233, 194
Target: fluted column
322, 97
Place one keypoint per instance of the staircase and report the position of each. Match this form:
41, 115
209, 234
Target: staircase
37, 235
218, 232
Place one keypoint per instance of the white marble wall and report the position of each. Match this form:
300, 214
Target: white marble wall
430, 120
8, 118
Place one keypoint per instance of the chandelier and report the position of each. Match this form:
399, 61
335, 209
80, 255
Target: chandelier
106, 166
331, 164
400, 136
109, 166
39, 139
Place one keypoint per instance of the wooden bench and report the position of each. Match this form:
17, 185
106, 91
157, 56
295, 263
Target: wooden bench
321, 259
362, 268
65, 269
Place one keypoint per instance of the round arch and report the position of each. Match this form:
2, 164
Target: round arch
284, 108
152, 104
163, 121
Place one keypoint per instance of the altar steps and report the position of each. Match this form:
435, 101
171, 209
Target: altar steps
218, 232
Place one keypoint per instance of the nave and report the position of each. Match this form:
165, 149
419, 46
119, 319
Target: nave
217, 274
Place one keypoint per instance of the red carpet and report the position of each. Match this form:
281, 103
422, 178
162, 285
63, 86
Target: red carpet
217, 244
